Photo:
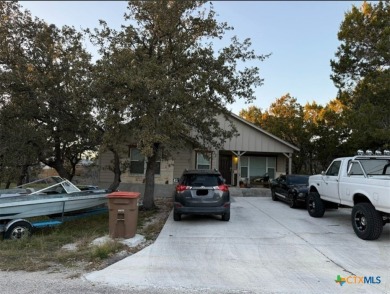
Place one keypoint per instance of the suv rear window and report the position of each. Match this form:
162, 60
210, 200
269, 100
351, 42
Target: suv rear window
201, 180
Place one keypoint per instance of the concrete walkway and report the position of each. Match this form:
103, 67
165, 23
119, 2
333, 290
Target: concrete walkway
266, 247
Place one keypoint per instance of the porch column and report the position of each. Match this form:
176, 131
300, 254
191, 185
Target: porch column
238, 154
289, 156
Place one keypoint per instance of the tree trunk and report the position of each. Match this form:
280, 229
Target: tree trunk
61, 170
117, 171
148, 201
72, 170
23, 174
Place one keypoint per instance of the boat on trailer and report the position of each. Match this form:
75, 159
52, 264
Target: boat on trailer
53, 196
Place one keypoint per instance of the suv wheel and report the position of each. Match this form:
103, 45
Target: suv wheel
315, 205
367, 222
176, 216
226, 216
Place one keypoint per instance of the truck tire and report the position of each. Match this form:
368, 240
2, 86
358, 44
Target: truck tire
315, 205
367, 222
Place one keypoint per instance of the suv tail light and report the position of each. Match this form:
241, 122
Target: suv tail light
181, 188
223, 188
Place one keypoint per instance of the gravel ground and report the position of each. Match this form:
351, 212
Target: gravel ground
67, 280
65, 283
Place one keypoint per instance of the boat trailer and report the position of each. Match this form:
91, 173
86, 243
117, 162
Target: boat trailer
21, 228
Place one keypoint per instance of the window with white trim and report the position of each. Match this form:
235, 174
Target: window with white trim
244, 162
138, 162
203, 161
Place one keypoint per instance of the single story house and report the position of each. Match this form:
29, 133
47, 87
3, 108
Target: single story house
247, 158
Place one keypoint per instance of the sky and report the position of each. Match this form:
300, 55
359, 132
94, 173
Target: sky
300, 35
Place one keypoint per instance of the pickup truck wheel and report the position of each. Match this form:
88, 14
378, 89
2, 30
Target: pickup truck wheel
367, 222
274, 198
315, 206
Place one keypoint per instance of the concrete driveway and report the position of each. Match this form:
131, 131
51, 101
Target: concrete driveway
266, 247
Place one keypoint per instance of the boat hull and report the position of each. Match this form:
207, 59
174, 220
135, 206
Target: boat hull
41, 205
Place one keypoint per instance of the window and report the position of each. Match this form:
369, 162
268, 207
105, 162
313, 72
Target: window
244, 166
203, 161
200, 180
158, 164
137, 162
258, 166
333, 170
355, 169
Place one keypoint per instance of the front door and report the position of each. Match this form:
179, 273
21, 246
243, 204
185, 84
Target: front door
225, 167
330, 188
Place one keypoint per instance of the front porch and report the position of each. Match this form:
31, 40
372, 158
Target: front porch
251, 169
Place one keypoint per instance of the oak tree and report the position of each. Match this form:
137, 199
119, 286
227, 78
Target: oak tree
171, 82
45, 72
361, 71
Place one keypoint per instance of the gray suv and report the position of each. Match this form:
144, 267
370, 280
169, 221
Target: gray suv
201, 192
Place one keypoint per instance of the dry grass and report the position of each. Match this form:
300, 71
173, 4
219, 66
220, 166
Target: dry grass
44, 250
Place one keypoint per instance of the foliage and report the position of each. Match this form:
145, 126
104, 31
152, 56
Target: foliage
318, 132
164, 79
252, 114
16, 158
360, 116
362, 74
328, 133
44, 85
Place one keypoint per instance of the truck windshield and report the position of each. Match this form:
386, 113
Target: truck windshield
375, 166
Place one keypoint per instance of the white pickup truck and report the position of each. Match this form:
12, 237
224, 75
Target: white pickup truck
361, 182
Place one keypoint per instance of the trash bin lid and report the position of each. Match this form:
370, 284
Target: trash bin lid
123, 194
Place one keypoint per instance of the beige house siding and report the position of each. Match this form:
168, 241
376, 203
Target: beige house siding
252, 138
252, 141
105, 161
183, 159
106, 175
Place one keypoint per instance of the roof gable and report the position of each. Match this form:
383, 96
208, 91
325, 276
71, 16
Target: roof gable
253, 138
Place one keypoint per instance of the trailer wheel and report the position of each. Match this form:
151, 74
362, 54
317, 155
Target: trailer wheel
367, 222
18, 230
315, 205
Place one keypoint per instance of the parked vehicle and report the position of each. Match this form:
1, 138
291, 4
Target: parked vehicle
264, 179
260, 180
52, 196
201, 192
291, 189
361, 182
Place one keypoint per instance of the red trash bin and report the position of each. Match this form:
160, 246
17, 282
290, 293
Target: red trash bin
122, 214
